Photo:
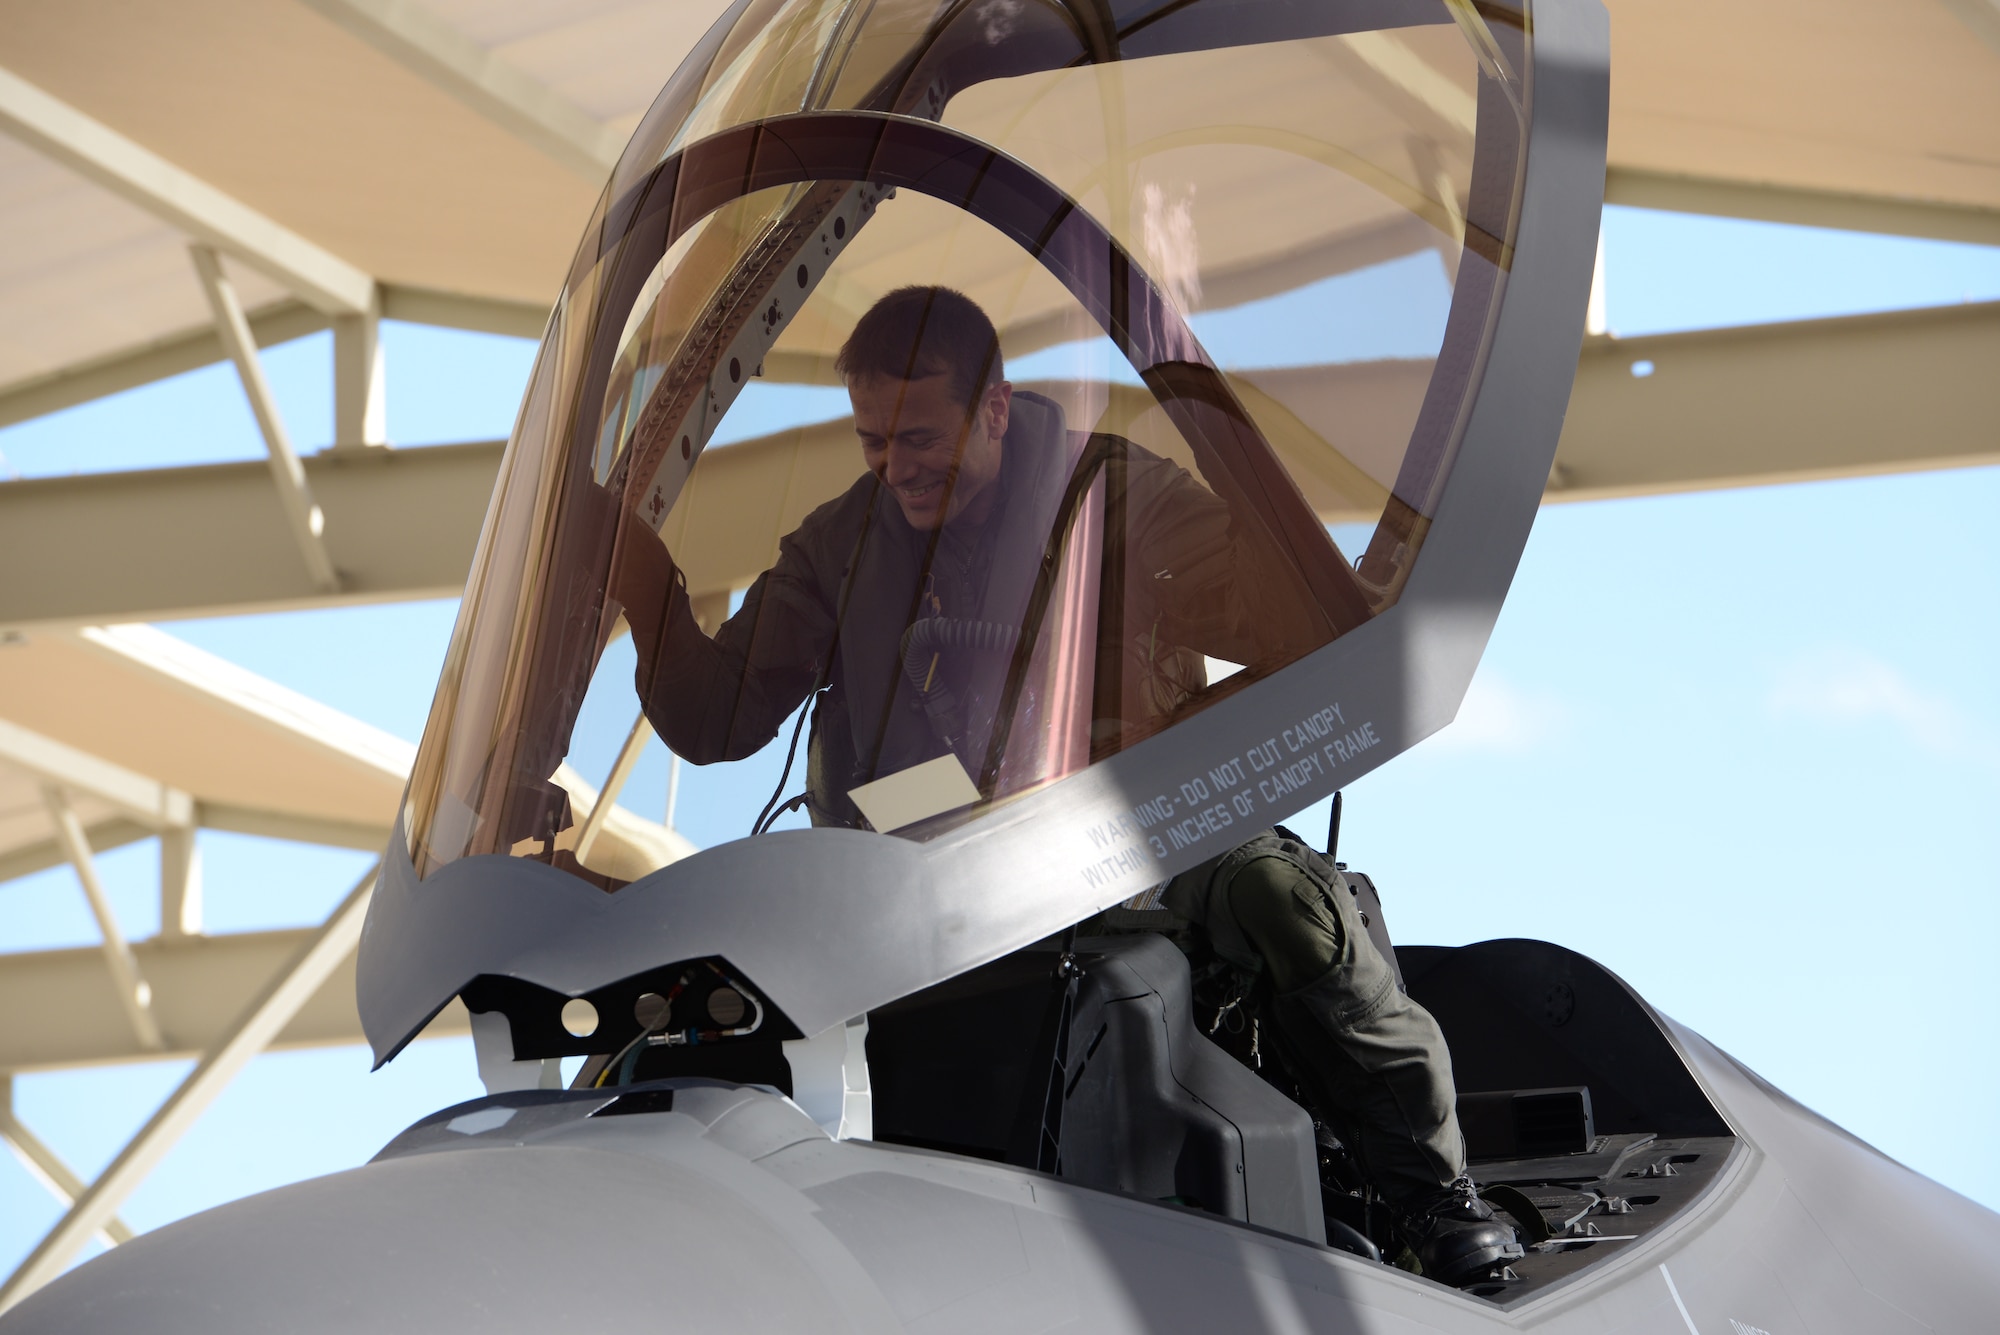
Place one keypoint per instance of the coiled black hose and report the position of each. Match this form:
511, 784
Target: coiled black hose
926, 639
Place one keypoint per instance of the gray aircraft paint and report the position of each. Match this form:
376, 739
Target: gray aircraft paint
736, 1211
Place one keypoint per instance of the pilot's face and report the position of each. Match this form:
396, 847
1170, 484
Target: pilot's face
916, 437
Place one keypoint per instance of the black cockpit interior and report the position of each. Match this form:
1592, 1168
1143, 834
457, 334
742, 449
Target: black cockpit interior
1569, 1093
1106, 1059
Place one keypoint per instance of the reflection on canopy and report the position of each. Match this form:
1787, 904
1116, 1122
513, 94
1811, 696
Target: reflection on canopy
1091, 180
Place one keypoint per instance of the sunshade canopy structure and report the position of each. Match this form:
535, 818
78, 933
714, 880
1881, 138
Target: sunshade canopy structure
434, 162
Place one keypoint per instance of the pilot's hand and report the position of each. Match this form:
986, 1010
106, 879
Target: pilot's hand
642, 580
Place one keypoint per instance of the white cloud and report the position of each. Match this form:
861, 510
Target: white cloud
1851, 687
1498, 716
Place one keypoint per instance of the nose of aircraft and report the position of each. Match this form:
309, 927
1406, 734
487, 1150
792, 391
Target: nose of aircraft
479, 1232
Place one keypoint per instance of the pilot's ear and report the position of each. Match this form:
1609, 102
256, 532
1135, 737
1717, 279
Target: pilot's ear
997, 406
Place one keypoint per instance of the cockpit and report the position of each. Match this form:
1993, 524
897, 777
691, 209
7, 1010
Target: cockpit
989, 458
1262, 263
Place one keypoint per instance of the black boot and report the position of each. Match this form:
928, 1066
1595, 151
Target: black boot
1457, 1237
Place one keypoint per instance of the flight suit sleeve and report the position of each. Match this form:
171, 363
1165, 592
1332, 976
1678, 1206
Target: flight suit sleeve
724, 698
1218, 590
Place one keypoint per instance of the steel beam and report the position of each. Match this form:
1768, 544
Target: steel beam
206, 541
261, 1022
452, 62
135, 994
607, 796
1802, 208
360, 405
200, 984
290, 825
1981, 16
180, 884
281, 322
46, 1166
1849, 397
306, 519
456, 310
153, 804
158, 359
179, 198
1733, 407
104, 836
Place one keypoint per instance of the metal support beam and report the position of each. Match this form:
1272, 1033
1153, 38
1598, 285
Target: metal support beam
180, 885
1766, 403
200, 986
294, 494
452, 62
1802, 208
300, 829
46, 1166
607, 796
259, 1024
206, 541
151, 803
1595, 315
278, 323
360, 414
104, 836
1981, 16
134, 994
1850, 397
177, 197
149, 362
455, 310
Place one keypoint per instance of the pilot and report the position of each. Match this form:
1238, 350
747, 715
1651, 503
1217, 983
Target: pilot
1371, 1059
966, 478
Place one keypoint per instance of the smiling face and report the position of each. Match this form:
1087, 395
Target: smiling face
916, 437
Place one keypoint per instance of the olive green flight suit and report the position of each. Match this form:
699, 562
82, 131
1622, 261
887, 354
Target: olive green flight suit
1375, 1060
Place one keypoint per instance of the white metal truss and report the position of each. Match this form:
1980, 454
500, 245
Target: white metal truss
200, 985
444, 57
360, 404
46, 1166
1982, 16
607, 798
1729, 407
306, 519
180, 884
154, 805
135, 994
187, 350
148, 180
1875, 214
261, 1022
207, 541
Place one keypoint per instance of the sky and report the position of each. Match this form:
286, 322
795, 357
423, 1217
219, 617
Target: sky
1741, 747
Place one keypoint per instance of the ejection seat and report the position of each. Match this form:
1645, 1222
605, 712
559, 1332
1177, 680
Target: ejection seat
1087, 1063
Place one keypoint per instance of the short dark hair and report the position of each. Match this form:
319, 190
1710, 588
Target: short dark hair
916, 332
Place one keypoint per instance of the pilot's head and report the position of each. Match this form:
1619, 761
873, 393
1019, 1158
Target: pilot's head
923, 371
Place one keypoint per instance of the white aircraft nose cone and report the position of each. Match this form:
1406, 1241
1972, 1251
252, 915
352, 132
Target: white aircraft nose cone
514, 1238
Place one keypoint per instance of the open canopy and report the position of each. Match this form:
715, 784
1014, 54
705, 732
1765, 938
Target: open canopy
1071, 611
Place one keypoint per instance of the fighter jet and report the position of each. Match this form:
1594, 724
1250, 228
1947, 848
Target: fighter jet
1288, 297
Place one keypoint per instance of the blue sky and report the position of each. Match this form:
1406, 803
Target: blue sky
1742, 747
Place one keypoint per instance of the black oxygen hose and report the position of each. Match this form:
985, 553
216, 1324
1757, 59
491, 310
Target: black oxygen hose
925, 640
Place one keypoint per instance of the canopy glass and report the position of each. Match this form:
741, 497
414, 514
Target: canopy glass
1240, 262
